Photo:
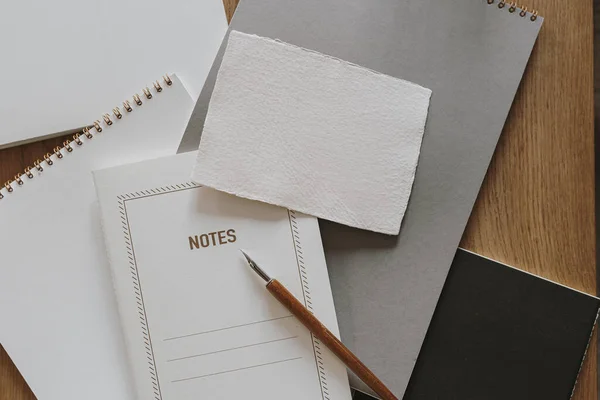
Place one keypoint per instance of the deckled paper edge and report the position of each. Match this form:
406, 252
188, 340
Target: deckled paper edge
314, 52
424, 91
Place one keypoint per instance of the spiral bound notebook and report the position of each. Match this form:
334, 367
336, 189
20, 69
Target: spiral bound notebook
62, 49
472, 54
60, 323
197, 322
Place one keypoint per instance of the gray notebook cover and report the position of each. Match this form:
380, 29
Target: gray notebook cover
472, 55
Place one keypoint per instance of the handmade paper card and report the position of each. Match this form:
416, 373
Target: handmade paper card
312, 133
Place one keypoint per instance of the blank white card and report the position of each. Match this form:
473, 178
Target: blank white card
309, 132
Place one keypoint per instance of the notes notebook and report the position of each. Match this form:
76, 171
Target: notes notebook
60, 324
197, 321
472, 55
63, 60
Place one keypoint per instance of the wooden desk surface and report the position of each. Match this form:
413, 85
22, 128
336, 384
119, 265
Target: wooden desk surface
536, 208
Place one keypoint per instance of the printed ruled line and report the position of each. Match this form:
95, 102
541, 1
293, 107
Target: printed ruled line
235, 370
224, 329
233, 348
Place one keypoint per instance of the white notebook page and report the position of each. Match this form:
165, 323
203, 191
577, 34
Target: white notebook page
199, 322
66, 60
59, 320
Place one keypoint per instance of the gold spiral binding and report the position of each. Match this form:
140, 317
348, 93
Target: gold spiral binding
38, 165
147, 93
107, 119
513, 7
28, 172
87, 133
48, 159
77, 140
523, 12
534, 15
117, 113
97, 125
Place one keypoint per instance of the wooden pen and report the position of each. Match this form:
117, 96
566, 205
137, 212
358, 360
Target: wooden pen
321, 332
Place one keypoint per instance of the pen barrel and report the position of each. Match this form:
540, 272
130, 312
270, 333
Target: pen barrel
321, 332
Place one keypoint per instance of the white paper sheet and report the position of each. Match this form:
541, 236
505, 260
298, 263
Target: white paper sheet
60, 323
312, 133
199, 322
64, 61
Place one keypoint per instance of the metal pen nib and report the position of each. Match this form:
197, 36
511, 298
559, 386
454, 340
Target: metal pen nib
256, 268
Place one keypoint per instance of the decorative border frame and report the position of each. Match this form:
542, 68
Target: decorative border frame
137, 288
141, 309
308, 304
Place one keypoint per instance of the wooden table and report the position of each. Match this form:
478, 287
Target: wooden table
536, 208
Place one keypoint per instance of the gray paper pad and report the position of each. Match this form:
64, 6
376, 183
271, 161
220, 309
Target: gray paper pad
472, 55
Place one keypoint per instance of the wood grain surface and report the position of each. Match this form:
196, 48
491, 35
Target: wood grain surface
536, 207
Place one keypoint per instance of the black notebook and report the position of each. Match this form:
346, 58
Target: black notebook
501, 333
